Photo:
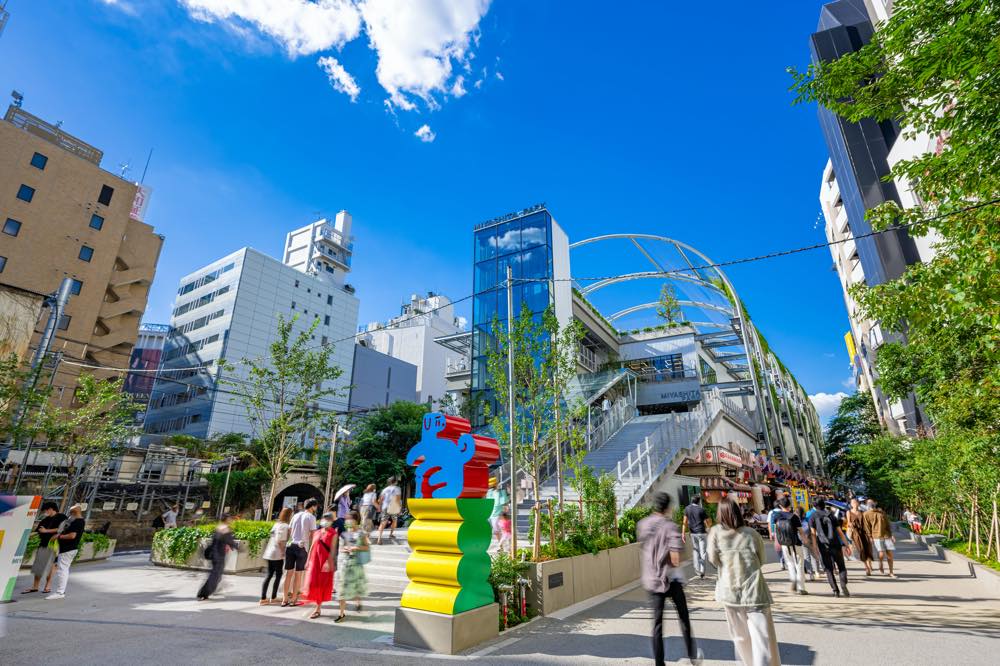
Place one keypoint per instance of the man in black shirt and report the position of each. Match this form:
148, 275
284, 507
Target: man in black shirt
69, 536
696, 519
831, 542
45, 556
788, 530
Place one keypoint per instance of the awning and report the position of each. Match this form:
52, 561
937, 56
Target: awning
722, 483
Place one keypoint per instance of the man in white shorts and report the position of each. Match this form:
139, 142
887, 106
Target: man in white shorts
880, 530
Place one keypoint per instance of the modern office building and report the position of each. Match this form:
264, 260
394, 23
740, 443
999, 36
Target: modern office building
667, 404
854, 181
64, 216
229, 310
411, 336
378, 380
144, 363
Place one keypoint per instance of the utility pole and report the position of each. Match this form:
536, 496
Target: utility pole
225, 486
57, 304
510, 410
329, 464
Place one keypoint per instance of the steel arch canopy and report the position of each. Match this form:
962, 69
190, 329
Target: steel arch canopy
645, 275
650, 306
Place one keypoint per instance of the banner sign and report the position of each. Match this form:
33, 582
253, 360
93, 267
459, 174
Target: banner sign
140, 203
17, 515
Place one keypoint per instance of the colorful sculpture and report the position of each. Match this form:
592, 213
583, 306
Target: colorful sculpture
449, 568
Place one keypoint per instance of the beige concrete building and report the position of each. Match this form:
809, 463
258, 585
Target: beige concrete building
62, 215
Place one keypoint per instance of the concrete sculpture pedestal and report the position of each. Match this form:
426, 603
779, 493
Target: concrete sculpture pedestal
446, 634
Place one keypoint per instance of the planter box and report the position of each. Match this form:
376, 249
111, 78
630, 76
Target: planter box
557, 584
625, 565
87, 554
237, 561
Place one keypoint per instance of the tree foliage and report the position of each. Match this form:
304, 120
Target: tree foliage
855, 424
668, 307
934, 67
377, 447
286, 396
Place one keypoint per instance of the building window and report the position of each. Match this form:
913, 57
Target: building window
25, 193
309, 290
39, 161
11, 227
3, 263
104, 198
76, 287
329, 300
293, 305
86, 253
64, 322
326, 320
96, 222
323, 341
296, 284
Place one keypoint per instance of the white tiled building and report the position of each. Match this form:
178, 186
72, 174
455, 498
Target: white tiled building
229, 310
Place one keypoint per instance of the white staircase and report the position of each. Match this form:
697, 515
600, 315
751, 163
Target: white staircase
387, 570
644, 449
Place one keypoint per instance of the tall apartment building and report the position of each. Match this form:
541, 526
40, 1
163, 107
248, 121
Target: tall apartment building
228, 311
147, 355
411, 337
64, 216
862, 155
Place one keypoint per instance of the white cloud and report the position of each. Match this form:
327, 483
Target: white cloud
826, 404
420, 44
339, 78
303, 27
122, 5
425, 134
849, 383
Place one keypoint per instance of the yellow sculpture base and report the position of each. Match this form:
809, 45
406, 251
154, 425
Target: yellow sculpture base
446, 634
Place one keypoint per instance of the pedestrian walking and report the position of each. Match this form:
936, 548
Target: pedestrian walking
810, 554
788, 532
661, 546
48, 548
913, 520
221, 543
68, 542
391, 504
880, 531
738, 553
355, 553
505, 530
830, 539
170, 516
274, 555
500, 500
859, 536
322, 565
368, 501
300, 536
771, 517
696, 519
344, 502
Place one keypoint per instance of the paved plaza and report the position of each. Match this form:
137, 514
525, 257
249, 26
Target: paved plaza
127, 611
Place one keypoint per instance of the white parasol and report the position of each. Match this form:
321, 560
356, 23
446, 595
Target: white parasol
342, 491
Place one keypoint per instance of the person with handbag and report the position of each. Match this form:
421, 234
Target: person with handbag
222, 542
68, 539
391, 504
48, 547
274, 555
355, 553
322, 565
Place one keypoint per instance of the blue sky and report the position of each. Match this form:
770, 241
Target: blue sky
663, 118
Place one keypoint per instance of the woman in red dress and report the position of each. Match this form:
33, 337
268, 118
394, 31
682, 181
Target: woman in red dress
322, 565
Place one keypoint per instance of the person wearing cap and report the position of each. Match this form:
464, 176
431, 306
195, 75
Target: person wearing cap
68, 537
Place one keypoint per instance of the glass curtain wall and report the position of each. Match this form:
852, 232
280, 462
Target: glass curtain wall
524, 244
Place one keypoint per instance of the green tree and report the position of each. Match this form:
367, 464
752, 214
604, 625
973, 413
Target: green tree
561, 366
668, 307
94, 430
25, 411
286, 397
855, 424
933, 68
378, 446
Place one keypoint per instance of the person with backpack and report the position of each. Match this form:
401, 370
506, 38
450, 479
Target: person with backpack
222, 542
661, 546
830, 540
696, 519
788, 532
